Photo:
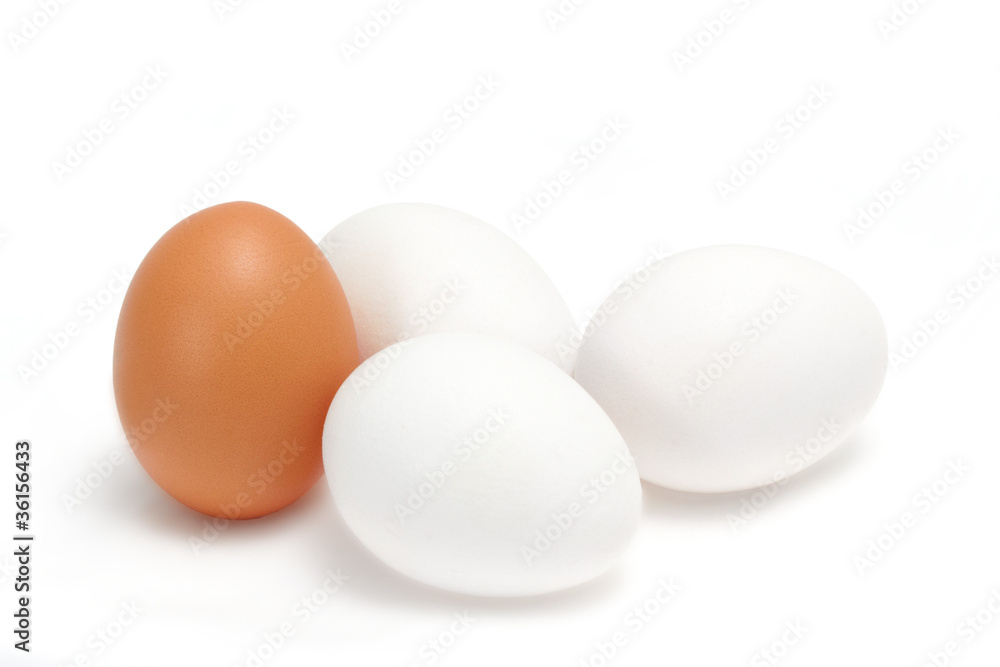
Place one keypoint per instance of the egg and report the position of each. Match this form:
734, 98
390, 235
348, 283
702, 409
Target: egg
233, 338
413, 269
472, 464
732, 367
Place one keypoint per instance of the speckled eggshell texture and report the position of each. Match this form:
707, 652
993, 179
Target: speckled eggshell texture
233, 339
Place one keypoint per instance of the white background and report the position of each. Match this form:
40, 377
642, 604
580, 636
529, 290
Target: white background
794, 561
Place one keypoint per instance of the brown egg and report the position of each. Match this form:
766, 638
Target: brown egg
233, 338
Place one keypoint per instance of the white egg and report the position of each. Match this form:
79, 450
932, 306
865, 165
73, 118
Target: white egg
412, 269
471, 464
733, 367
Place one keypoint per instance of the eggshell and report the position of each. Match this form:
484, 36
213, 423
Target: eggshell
473, 465
412, 269
233, 338
736, 366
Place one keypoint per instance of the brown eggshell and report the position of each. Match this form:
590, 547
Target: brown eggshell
233, 338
